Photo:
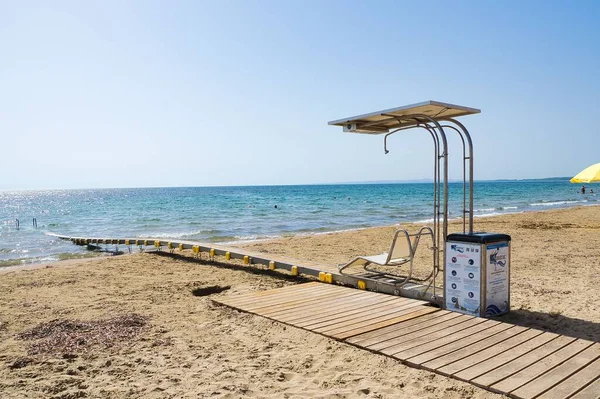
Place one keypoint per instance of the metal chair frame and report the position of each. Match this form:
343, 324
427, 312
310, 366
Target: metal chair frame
391, 260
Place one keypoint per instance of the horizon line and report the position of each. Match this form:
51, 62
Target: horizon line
365, 182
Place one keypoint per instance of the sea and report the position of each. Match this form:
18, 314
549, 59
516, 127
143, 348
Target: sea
241, 214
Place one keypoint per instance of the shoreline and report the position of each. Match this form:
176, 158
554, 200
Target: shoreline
56, 263
250, 243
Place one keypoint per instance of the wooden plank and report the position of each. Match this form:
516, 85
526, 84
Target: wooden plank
417, 351
434, 336
367, 318
318, 314
540, 367
592, 391
275, 291
352, 294
288, 290
340, 303
312, 300
420, 336
510, 368
375, 310
242, 300
559, 373
497, 348
325, 313
289, 302
575, 383
284, 300
283, 295
359, 339
405, 329
464, 351
335, 315
325, 298
367, 324
423, 310
500, 359
455, 344
418, 332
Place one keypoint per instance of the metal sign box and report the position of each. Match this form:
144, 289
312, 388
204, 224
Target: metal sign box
477, 274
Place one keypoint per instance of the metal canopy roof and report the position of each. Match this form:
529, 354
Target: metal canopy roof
383, 121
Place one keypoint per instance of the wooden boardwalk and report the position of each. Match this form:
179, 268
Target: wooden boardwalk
512, 360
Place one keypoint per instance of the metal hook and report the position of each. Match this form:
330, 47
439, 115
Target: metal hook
385, 150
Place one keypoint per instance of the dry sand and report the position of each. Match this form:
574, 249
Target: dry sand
191, 347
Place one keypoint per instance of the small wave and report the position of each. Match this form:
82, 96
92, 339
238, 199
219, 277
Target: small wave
203, 233
222, 238
313, 230
423, 221
556, 203
334, 231
483, 215
251, 239
492, 214
27, 261
506, 208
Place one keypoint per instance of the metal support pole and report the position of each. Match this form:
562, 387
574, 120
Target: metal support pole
464, 169
470, 143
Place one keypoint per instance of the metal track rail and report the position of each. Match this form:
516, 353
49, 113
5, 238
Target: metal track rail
325, 273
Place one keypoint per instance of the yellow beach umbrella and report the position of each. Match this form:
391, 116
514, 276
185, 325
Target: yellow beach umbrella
590, 174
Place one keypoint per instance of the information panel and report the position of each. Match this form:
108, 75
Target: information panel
463, 278
497, 280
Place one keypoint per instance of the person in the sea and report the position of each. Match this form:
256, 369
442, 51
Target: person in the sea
582, 189
591, 191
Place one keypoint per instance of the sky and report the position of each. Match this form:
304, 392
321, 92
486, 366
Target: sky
157, 94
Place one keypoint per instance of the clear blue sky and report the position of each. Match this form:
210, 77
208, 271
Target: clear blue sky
133, 94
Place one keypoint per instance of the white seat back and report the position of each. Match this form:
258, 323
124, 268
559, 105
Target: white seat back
401, 246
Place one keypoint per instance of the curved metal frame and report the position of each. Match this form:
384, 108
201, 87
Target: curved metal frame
464, 158
439, 136
467, 135
436, 130
413, 245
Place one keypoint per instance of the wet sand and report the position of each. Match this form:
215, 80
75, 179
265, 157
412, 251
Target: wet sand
194, 348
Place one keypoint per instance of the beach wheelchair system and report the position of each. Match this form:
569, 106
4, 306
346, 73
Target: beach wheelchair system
434, 119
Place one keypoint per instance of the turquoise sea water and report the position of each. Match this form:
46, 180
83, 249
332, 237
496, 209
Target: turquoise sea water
228, 214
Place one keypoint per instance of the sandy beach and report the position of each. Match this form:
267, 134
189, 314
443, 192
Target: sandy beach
141, 332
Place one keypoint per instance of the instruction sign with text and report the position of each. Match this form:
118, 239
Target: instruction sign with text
462, 284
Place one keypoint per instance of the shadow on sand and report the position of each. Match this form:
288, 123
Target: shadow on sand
254, 269
553, 322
